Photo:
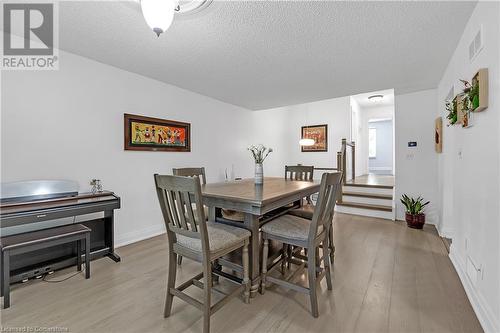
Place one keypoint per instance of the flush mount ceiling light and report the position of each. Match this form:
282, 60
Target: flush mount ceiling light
159, 14
376, 98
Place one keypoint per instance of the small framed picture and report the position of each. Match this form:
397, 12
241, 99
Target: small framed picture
319, 133
155, 134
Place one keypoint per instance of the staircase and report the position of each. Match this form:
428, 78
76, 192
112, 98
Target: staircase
365, 195
367, 200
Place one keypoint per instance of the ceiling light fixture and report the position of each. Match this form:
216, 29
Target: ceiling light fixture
376, 98
306, 142
159, 14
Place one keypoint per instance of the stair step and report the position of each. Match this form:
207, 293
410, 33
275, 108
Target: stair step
365, 206
367, 190
368, 195
369, 185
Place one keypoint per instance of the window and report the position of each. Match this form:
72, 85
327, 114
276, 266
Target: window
372, 142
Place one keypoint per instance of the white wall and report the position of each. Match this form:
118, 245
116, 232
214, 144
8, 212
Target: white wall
382, 162
280, 128
469, 184
416, 168
68, 124
366, 114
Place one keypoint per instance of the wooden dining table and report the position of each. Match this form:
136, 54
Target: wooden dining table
259, 204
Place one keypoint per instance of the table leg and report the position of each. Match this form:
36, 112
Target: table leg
211, 213
252, 224
211, 217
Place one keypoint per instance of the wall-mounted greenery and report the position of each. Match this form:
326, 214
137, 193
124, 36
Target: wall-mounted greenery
451, 108
474, 98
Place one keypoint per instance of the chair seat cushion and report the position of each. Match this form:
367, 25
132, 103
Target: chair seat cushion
306, 211
289, 226
220, 236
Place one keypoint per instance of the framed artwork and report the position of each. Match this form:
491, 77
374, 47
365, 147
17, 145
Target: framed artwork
155, 134
438, 135
319, 133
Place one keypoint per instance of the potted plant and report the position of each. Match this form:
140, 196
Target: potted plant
415, 217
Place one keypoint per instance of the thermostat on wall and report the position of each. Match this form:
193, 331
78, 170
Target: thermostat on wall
412, 144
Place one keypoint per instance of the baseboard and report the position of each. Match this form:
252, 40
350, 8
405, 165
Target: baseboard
380, 168
444, 232
483, 312
138, 235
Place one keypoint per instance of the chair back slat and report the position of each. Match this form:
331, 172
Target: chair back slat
299, 172
176, 195
189, 212
191, 172
181, 209
325, 206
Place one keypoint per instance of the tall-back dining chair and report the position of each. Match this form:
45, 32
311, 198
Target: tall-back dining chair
193, 237
307, 234
191, 172
299, 172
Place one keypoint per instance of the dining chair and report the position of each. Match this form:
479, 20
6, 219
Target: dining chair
191, 172
197, 239
307, 234
306, 211
300, 172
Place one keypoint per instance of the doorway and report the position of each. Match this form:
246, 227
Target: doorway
372, 129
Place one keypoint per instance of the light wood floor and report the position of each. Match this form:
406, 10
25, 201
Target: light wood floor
373, 179
387, 278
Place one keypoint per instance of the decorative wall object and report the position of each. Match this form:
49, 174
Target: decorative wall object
451, 109
319, 133
438, 135
462, 109
154, 134
478, 93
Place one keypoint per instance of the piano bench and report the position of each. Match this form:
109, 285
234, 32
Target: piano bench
41, 239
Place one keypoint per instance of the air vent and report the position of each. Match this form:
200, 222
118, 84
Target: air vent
476, 45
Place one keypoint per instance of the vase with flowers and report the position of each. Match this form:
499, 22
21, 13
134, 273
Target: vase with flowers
259, 153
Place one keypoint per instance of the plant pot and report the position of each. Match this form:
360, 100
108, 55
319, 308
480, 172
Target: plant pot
259, 173
415, 221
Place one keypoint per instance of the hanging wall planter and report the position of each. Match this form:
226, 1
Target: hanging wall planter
478, 93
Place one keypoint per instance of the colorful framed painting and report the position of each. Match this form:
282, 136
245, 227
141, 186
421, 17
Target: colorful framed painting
154, 134
319, 133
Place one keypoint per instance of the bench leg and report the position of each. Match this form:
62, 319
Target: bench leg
6, 279
87, 256
79, 255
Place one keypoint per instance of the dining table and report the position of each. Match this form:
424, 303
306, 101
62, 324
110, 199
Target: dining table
259, 203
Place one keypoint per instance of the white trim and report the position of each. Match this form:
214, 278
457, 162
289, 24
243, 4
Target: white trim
483, 312
376, 120
138, 235
386, 168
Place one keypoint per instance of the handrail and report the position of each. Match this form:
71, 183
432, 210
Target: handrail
342, 159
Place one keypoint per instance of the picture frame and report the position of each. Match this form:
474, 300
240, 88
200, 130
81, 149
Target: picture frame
320, 135
156, 134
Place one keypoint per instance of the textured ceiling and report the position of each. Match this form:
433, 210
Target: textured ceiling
266, 54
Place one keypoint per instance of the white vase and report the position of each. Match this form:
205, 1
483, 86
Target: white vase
259, 173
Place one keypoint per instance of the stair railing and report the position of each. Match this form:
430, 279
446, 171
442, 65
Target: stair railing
342, 155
